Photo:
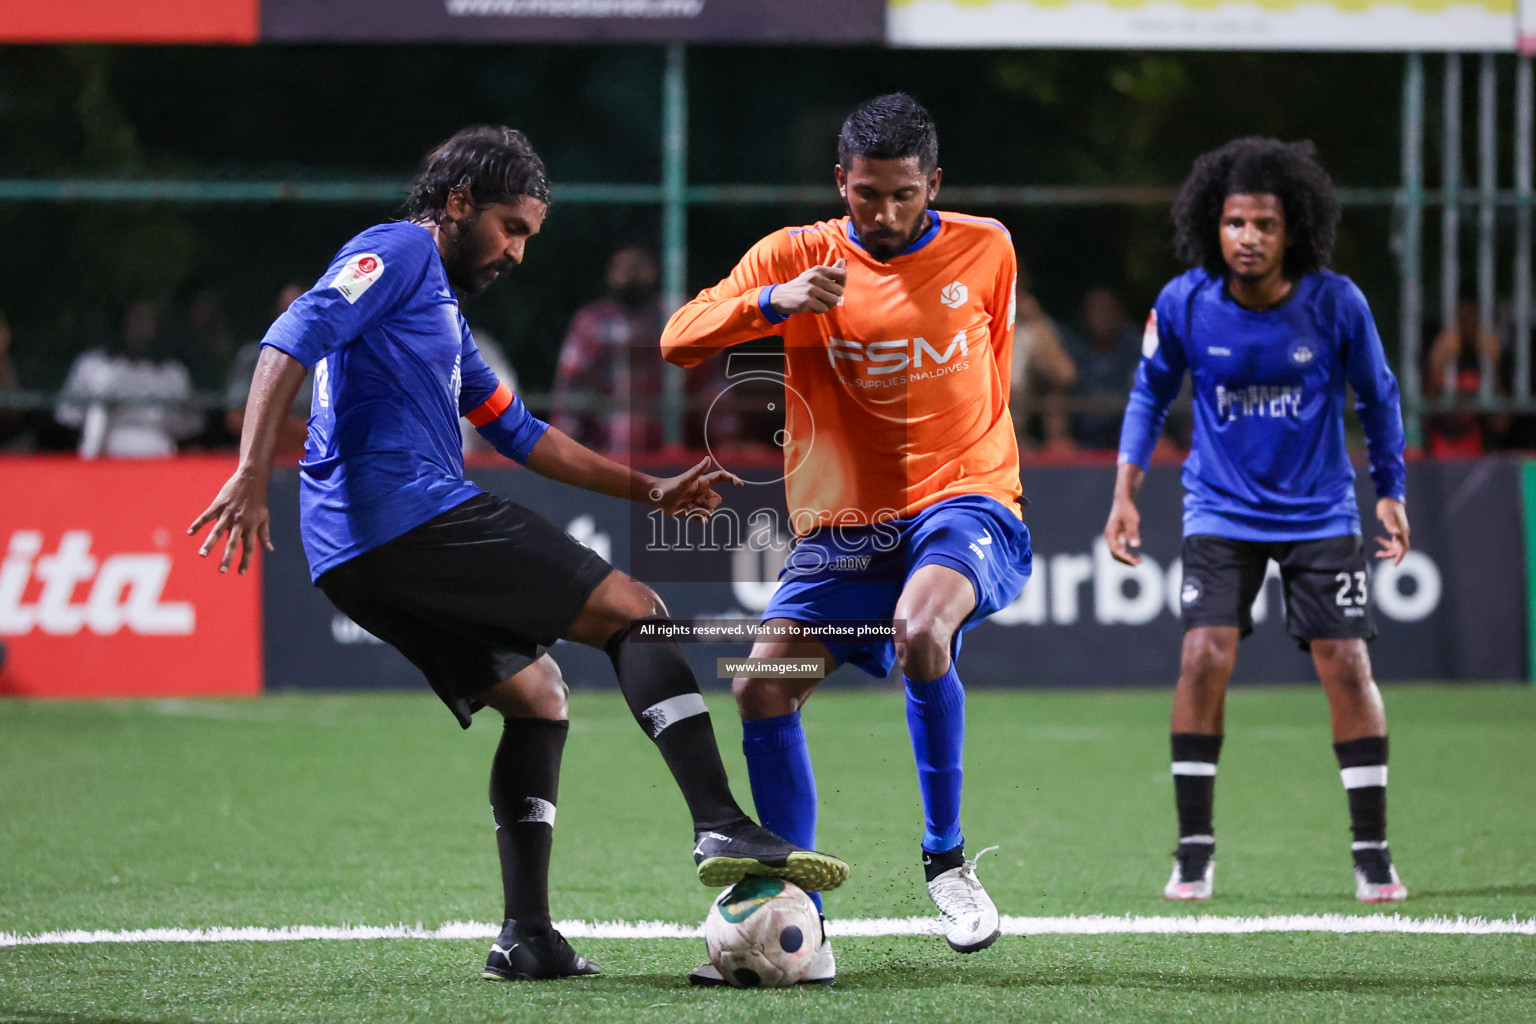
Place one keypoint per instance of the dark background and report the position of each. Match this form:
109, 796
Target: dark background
757, 115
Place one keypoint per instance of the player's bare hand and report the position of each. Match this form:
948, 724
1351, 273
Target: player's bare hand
1394, 519
815, 291
1123, 532
239, 515
691, 494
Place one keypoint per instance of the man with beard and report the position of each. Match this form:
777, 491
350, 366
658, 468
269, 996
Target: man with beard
901, 470
471, 588
1271, 338
608, 383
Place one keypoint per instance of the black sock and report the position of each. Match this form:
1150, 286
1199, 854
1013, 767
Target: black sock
525, 776
664, 697
1363, 767
1194, 783
935, 864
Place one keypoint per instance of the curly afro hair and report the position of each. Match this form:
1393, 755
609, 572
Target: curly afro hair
1258, 166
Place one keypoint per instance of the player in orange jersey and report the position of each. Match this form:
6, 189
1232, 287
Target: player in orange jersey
901, 469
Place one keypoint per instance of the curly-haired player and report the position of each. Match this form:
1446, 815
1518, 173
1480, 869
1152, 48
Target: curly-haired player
1270, 339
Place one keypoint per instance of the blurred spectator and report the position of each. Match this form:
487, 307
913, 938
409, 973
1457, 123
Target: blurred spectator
206, 344
1453, 375
609, 381
1041, 374
294, 429
10, 384
131, 402
1105, 353
1522, 427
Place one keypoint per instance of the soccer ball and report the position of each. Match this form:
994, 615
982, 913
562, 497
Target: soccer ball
762, 932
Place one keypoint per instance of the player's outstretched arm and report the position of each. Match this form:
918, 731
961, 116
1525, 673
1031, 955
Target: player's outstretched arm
1123, 531
1394, 519
240, 508
563, 459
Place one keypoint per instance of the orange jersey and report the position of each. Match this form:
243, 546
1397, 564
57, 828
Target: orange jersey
896, 399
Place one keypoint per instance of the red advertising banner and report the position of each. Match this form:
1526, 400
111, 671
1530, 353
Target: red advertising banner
102, 593
117, 21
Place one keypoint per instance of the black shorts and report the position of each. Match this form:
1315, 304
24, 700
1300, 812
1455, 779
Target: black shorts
1325, 583
471, 597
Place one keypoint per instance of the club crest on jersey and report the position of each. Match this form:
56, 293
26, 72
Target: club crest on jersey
954, 295
358, 275
1149, 337
1302, 352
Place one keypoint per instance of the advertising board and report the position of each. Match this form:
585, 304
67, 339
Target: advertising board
591, 21
1455, 608
102, 593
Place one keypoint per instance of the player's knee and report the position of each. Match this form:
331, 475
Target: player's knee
641, 602
1346, 663
767, 698
1206, 660
538, 691
923, 650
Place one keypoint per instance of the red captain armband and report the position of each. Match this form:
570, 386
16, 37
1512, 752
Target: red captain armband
491, 409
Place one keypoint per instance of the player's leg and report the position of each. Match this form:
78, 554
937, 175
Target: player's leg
525, 780
773, 738
779, 766
935, 601
818, 586
1221, 579
420, 593
625, 618
968, 557
1328, 610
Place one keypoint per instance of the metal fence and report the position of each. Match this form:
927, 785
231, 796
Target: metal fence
1410, 201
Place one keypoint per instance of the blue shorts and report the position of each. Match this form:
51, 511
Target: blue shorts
857, 573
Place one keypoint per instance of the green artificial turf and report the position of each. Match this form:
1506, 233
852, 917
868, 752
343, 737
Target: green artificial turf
371, 810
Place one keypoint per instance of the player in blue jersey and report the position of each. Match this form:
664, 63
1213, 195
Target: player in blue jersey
474, 589
1270, 338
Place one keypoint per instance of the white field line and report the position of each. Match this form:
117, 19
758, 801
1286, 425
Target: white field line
864, 927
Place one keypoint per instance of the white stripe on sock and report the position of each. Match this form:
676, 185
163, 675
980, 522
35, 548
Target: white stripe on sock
1194, 768
671, 711
1209, 840
1369, 846
539, 811
1365, 775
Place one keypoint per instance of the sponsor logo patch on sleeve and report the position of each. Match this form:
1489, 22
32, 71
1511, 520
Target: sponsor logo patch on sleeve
1149, 337
358, 275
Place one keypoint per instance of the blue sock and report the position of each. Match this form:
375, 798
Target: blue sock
936, 720
783, 783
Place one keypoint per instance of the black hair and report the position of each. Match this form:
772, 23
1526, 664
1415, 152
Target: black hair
890, 127
493, 162
1289, 171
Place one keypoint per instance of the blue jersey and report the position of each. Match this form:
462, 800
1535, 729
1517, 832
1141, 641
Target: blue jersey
1268, 460
395, 367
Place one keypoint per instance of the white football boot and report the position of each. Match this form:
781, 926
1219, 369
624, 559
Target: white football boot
970, 916
1376, 878
1194, 871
